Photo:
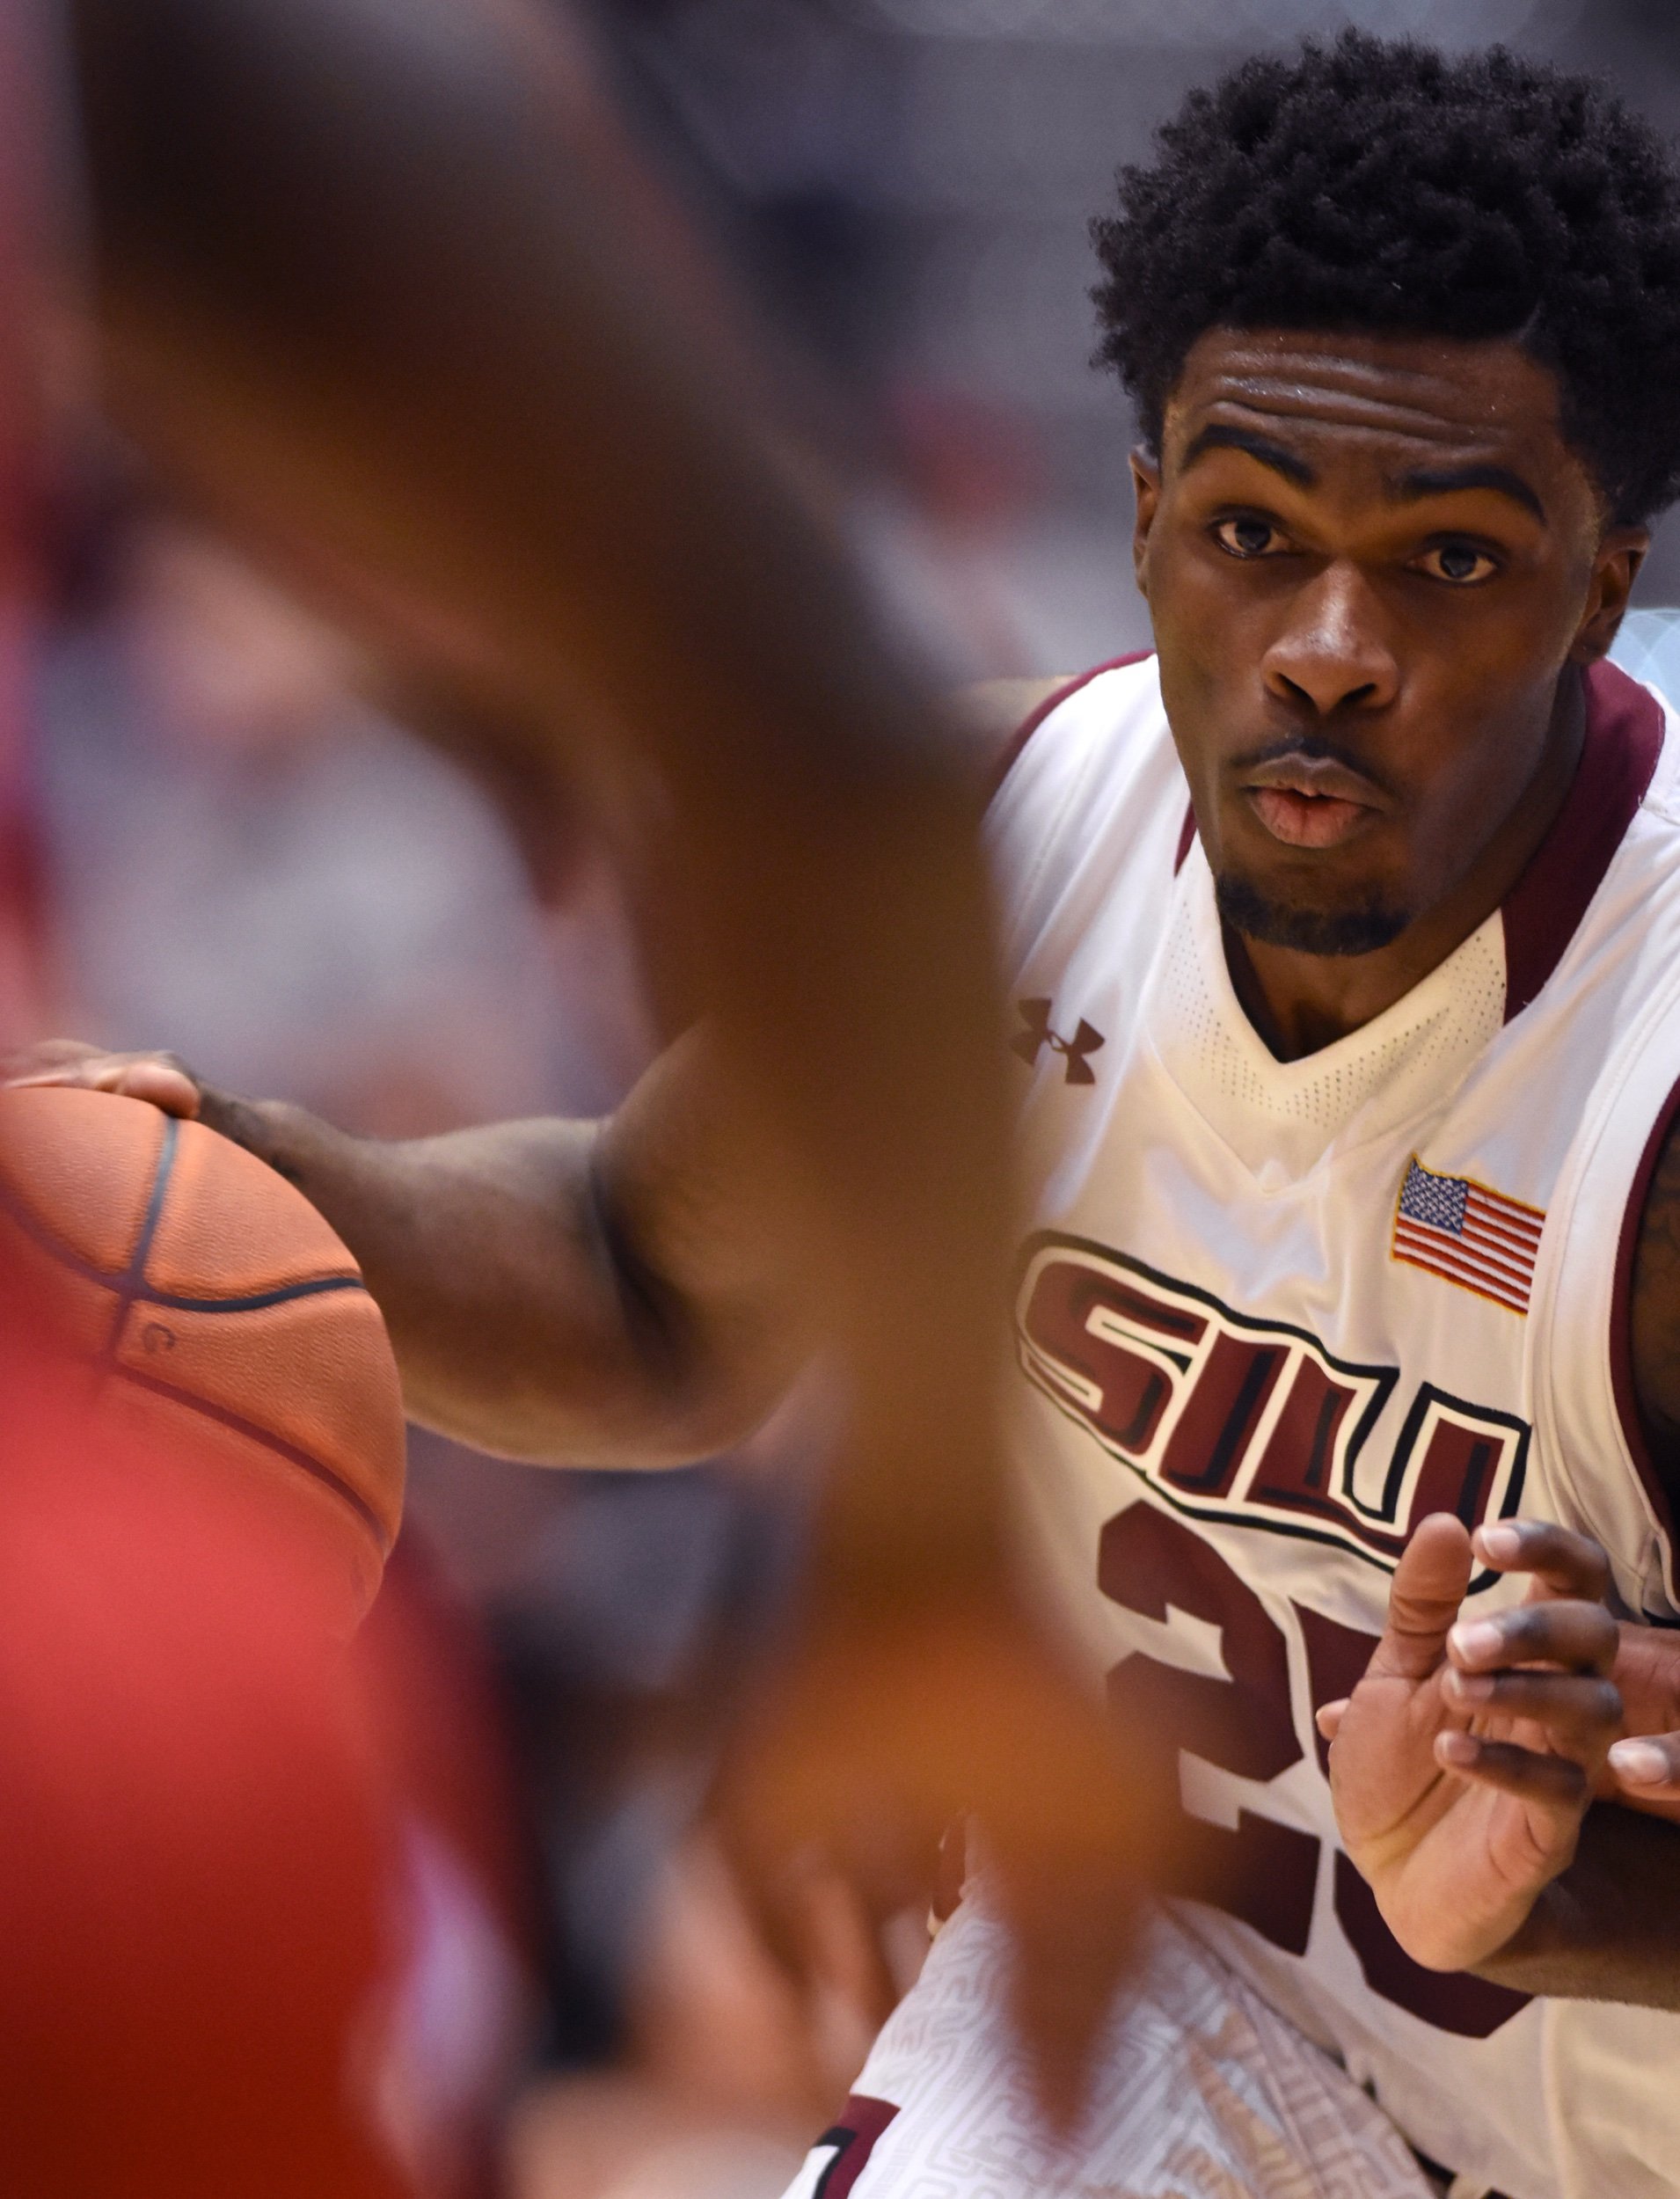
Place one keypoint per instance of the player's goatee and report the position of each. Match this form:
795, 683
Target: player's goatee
1359, 930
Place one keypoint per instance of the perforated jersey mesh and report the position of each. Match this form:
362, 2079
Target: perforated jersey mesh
1417, 1049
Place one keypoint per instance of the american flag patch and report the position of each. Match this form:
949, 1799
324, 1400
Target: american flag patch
1472, 1235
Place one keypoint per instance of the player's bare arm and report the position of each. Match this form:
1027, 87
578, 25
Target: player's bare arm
1656, 1320
563, 1292
1606, 1929
1646, 1764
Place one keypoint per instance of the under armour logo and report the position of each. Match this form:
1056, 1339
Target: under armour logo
1037, 1035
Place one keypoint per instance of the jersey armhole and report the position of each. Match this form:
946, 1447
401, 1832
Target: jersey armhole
1053, 702
1662, 1489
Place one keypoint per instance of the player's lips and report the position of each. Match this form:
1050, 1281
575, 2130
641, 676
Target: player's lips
1311, 801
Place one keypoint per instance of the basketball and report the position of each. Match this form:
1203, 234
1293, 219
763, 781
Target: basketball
223, 1325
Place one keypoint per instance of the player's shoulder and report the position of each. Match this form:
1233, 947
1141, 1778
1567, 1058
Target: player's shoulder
1033, 724
1088, 789
1608, 1338
1633, 723
1093, 746
990, 714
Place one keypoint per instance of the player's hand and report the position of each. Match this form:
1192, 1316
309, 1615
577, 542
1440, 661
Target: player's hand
1464, 1762
162, 1078
884, 1731
1644, 1769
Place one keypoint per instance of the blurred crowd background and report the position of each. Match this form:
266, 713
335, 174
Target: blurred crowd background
234, 857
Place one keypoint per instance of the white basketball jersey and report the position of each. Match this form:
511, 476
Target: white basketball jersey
1274, 1313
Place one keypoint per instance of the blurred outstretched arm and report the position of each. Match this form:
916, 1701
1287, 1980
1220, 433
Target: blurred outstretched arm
363, 291
362, 288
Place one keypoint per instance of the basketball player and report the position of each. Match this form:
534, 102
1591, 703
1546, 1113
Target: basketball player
1343, 931
1339, 932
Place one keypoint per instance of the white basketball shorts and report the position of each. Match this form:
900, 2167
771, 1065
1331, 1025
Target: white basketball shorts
1203, 2092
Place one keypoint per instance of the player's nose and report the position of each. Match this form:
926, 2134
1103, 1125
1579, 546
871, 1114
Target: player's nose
1332, 654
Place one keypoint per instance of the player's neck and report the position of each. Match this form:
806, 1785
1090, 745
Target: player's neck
1299, 1003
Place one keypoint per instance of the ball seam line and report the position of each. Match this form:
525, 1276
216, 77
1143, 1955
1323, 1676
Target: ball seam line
282, 1294
314, 1467
113, 1279
134, 1278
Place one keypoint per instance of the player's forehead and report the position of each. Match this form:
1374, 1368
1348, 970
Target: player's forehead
1380, 405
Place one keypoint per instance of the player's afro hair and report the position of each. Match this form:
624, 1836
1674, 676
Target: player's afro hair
1378, 186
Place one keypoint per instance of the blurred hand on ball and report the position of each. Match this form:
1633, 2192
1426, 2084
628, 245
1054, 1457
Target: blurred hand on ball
163, 1079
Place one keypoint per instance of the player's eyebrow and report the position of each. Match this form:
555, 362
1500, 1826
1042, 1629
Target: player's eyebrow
1442, 480
1216, 437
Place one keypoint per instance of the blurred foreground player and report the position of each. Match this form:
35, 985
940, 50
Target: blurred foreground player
1343, 936
366, 289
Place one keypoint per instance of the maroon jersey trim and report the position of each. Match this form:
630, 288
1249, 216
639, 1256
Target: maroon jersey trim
1544, 909
1621, 1320
857, 2133
1054, 701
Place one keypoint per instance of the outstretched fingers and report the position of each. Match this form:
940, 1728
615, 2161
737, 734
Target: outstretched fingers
1546, 1663
1580, 1712
1558, 1785
1561, 1562
1577, 1636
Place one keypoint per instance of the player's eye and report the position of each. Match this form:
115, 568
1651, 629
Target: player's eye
1246, 535
1461, 563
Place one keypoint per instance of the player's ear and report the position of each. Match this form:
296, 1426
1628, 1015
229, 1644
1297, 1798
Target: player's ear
1615, 569
1146, 486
